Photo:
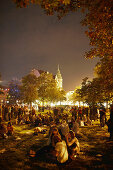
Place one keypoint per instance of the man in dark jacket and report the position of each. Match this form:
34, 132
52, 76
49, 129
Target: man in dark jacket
102, 112
110, 123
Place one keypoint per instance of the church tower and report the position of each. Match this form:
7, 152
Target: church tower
59, 79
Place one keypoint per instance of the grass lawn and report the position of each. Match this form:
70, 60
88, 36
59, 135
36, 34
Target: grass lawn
96, 151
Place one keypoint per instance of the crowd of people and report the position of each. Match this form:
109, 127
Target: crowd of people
63, 124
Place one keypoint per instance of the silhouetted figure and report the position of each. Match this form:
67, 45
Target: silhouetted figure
2, 129
102, 116
110, 123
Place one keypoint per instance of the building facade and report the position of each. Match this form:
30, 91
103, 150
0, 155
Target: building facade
59, 79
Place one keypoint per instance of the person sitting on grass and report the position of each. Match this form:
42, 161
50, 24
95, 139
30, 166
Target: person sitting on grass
9, 129
75, 126
72, 144
39, 130
56, 151
64, 128
60, 147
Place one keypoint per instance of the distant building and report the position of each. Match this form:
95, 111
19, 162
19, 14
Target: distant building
37, 73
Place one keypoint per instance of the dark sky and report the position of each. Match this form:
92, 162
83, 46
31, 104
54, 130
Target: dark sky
30, 39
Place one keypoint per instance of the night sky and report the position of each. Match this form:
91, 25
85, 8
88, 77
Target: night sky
31, 39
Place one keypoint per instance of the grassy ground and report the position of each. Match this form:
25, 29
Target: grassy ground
96, 150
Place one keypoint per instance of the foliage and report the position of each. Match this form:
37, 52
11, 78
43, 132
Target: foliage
94, 93
100, 89
90, 92
76, 96
29, 88
47, 89
81, 93
99, 23
104, 71
61, 96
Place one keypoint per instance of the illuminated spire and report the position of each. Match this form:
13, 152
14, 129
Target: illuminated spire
58, 78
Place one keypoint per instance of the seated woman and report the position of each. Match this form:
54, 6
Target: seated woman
73, 144
56, 151
60, 147
9, 129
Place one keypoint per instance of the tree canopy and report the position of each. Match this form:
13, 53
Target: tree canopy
104, 72
99, 23
47, 89
29, 88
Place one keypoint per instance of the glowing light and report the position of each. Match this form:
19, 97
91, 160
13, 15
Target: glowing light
77, 103
52, 104
104, 104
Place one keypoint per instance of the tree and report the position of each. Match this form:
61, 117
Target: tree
75, 97
99, 23
88, 92
94, 92
47, 88
61, 95
29, 89
104, 72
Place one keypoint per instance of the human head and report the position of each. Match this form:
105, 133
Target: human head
71, 134
9, 123
55, 130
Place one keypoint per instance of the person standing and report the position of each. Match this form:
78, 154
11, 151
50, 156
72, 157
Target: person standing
55, 111
102, 112
110, 123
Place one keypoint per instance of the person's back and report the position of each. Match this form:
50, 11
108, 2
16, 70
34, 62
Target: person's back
60, 147
110, 123
9, 129
64, 128
75, 127
61, 151
55, 111
111, 113
102, 116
